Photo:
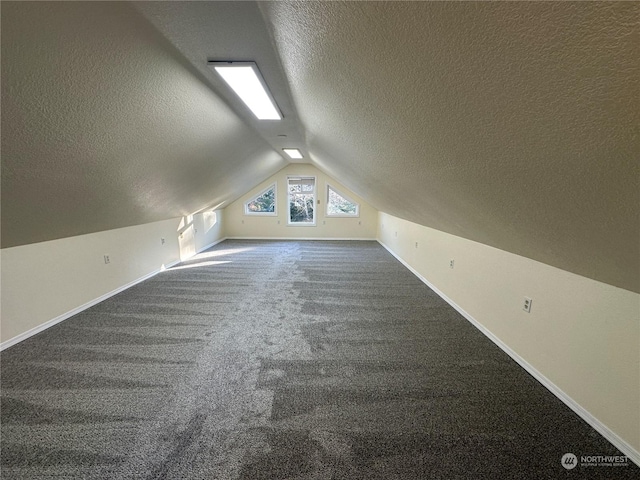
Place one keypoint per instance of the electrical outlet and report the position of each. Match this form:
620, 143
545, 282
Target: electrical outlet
278, 222
416, 244
451, 263
359, 222
162, 241
526, 306
242, 222
107, 259
324, 222
396, 234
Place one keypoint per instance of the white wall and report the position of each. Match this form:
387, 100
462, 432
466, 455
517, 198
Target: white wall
209, 229
45, 282
581, 335
239, 225
199, 231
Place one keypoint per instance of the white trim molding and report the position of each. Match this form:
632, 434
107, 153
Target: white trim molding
212, 244
247, 212
301, 179
330, 187
601, 428
303, 238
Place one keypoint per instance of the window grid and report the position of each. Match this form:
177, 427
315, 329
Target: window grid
301, 193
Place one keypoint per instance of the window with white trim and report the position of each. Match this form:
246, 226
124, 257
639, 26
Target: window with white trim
339, 205
302, 200
262, 204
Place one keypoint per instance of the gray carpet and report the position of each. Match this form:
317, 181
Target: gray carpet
281, 360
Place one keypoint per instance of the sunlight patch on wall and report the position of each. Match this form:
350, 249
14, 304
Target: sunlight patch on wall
186, 237
210, 219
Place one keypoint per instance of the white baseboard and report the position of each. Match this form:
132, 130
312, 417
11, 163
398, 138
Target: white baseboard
302, 238
212, 244
75, 311
202, 249
601, 428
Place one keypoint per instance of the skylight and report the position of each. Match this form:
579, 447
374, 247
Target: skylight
245, 79
292, 152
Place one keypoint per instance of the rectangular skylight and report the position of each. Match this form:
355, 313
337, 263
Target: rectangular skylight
293, 153
245, 79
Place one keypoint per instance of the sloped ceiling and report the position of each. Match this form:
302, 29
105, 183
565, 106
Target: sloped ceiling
106, 124
513, 124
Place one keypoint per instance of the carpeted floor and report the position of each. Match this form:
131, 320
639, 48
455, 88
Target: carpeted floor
281, 360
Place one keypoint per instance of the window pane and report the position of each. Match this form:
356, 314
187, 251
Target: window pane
264, 203
338, 205
301, 200
301, 209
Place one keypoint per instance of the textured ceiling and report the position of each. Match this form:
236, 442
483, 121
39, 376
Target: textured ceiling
105, 124
204, 31
514, 124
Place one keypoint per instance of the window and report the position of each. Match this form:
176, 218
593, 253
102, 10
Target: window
339, 205
302, 194
262, 204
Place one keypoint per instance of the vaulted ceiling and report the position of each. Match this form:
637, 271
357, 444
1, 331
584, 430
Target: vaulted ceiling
514, 124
